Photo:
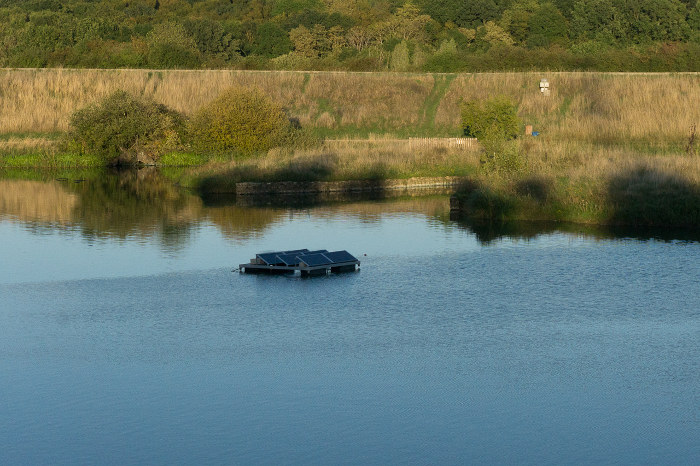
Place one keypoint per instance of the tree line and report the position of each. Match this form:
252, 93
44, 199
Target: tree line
356, 35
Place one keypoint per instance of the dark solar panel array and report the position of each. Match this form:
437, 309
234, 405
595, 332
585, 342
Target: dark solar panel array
340, 256
291, 260
310, 258
273, 258
270, 258
313, 260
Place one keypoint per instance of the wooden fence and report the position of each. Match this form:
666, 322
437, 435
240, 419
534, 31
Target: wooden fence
441, 142
413, 143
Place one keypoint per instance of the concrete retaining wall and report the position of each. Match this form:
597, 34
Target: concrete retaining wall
308, 187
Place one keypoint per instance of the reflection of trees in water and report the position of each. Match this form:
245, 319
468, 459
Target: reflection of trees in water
141, 203
144, 204
489, 232
123, 204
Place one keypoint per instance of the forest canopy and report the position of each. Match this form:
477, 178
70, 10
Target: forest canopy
356, 35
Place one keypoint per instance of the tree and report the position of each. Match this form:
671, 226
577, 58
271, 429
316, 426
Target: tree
600, 20
547, 26
400, 60
516, 19
496, 35
470, 14
312, 43
271, 41
169, 46
292, 6
656, 20
211, 38
408, 23
694, 17
304, 43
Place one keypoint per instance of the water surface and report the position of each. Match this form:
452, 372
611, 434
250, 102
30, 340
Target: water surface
127, 337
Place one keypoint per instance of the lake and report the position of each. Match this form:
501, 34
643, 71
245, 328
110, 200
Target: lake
127, 336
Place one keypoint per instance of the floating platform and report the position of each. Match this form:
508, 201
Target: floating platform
308, 263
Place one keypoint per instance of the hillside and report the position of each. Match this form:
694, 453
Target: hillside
353, 35
641, 110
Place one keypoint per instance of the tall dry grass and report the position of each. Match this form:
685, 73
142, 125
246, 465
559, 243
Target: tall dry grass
658, 109
588, 107
25, 144
383, 160
42, 100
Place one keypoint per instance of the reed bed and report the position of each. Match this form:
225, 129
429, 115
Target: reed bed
608, 108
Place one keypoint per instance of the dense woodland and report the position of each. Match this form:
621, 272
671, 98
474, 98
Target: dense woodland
354, 35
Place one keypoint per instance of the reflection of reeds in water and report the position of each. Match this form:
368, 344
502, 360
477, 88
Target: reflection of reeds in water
126, 206
434, 206
36, 201
242, 222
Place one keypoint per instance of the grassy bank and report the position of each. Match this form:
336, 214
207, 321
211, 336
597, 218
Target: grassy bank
613, 147
379, 160
611, 186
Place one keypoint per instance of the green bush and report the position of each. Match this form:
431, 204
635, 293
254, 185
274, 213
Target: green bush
240, 120
500, 155
124, 128
496, 118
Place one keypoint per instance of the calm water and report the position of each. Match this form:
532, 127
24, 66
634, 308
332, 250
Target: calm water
126, 336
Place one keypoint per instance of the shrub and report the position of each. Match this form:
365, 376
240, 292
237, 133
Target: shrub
496, 117
125, 128
495, 123
240, 120
500, 155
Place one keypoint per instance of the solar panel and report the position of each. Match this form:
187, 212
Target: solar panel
340, 256
270, 258
312, 260
288, 259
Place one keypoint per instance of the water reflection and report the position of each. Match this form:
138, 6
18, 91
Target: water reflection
145, 204
489, 232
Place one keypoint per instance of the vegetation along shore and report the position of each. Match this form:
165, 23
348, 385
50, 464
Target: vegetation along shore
611, 147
